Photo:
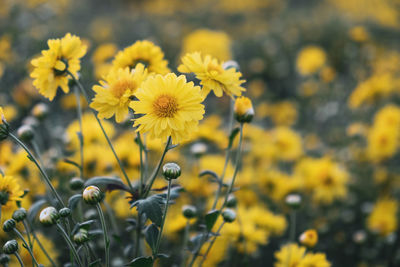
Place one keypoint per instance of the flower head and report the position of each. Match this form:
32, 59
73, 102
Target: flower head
170, 107
116, 92
52, 67
92, 195
310, 59
144, 52
212, 75
10, 190
309, 238
49, 216
244, 111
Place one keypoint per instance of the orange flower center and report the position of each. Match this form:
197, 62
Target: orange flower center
165, 106
119, 88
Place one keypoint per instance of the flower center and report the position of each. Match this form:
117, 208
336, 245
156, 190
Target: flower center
214, 68
119, 88
165, 106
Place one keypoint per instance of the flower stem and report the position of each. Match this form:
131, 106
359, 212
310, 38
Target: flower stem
80, 134
28, 234
19, 259
211, 244
45, 176
155, 252
185, 241
82, 89
106, 239
26, 246
70, 244
41, 246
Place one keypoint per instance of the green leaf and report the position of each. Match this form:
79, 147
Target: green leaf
109, 183
208, 172
35, 208
151, 207
151, 234
72, 163
73, 201
232, 136
141, 262
211, 218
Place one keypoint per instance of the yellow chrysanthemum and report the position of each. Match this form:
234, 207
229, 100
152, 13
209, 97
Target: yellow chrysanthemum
116, 92
144, 52
51, 69
383, 218
171, 107
289, 255
310, 59
314, 260
10, 190
212, 75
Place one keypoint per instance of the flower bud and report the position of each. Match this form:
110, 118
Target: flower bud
171, 171
4, 127
198, 149
25, 133
9, 225
229, 215
231, 202
10, 247
92, 195
81, 236
244, 111
49, 216
4, 259
76, 183
231, 64
309, 238
40, 111
293, 201
189, 211
64, 212
19, 215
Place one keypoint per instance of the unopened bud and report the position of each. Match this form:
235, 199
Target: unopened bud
189, 211
64, 212
198, 149
19, 215
293, 201
231, 202
10, 247
76, 183
25, 133
229, 215
231, 64
4, 259
309, 238
49, 216
171, 171
92, 195
9, 225
244, 111
81, 236
40, 111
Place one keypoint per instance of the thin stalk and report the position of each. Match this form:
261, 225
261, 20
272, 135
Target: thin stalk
141, 148
106, 239
155, 252
45, 176
185, 242
36, 149
211, 244
157, 169
34, 262
79, 111
41, 246
111, 217
70, 244
19, 259
82, 89
28, 234
292, 233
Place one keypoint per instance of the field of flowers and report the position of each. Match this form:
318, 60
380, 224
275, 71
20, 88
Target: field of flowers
200, 133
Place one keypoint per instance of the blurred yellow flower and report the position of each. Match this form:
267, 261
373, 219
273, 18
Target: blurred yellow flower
383, 218
309, 238
171, 107
310, 59
288, 143
10, 190
314, 260
289, 255
212, 75
114, 94
359, 34
51, 69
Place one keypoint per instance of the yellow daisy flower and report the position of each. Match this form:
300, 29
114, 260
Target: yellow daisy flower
289, 255
212, 75
51, 69
171, 107
144, 52
10, 190
314, 260
116, 91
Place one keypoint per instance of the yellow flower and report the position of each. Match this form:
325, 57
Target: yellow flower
50, 69
310, 59
289, 255
170, 107
10, 190
314, 260
309, 238
244, 111
144, 52
116, 92
383, 218
212, 75
199, 41
288, 143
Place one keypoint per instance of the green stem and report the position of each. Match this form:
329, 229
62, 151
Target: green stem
157, 169
45, 176
185, 242
19, 259
79, 111
70, 244
41, 246
28, 234
82, 89
34, 262
141, 148
155, 252
292, 234
211, 244
106, 239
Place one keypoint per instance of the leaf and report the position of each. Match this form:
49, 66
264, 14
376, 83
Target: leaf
172, 146
211, 218
34, 209
141, 262
73, 201
208, 172
151, 235
109, 183
72, 163
232, 136
151, 206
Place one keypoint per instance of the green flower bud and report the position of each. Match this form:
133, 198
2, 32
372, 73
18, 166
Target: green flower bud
229, 215
76, 183
231, 64
49, 216
9, 225
92, 195
189, 211
198, 149
171, 171
81, 236
4, 259
25, 133
40, 111
19, 214
293, 201
64, 212
10, 247
231, 202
